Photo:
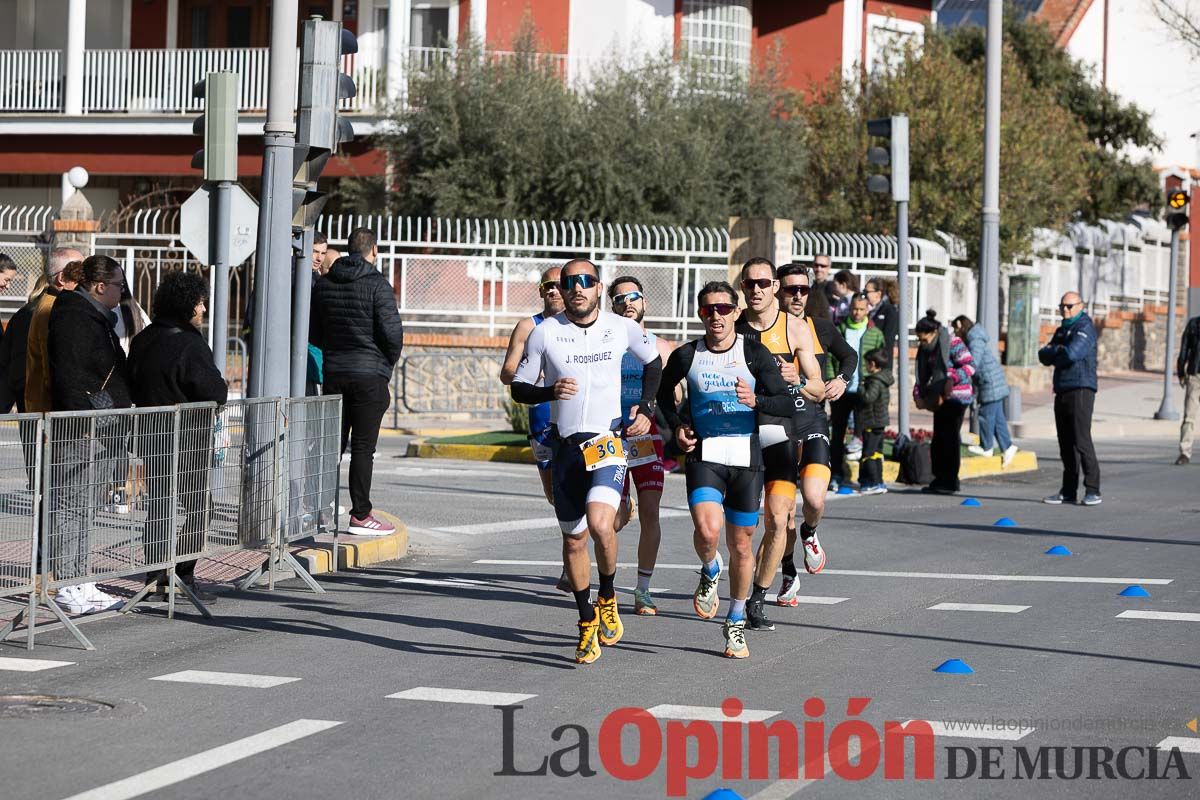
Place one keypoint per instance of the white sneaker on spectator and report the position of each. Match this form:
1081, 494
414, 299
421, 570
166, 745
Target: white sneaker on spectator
370, 525
101, 601
976, 450
1008, 455
73, 600
117, 502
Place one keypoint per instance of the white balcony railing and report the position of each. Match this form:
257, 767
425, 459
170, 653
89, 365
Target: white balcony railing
29, 80
161, 81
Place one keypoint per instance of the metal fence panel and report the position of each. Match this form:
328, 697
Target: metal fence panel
314, 443
20, 483
261, 452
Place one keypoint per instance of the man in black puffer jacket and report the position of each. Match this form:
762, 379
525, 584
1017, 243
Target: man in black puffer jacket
356, 324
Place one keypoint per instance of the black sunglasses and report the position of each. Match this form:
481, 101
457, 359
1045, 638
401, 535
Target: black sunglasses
582, 280
796, 289
761, 283
724, 309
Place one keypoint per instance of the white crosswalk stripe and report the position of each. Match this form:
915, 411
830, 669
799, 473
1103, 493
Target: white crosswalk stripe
1186, 744
995, 608
1166, 616
30, 664
469, 696
709, 713
242, 679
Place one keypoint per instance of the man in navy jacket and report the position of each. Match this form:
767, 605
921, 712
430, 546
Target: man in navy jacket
1072, 353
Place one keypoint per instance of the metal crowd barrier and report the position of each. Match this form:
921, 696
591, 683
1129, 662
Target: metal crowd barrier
20, 492
93, 496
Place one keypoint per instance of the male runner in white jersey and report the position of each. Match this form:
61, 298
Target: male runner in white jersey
539, 415
812, 433
578, 352
728, 377
789, 340
629, 300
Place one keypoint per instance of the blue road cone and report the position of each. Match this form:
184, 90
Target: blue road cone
955, 666
1005, 522
1134, 591
972, 502
1058, 550
723, 794
845, 490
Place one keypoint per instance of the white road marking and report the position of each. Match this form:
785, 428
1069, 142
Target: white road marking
461, 583
995, 608
190, 767
788, 787
811, 600
470, 696
971, 730
1171, 616
480, 529
226, 679
31, 664
1186, 744
954, 576
709, 714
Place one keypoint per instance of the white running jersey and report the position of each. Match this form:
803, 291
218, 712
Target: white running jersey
558, 348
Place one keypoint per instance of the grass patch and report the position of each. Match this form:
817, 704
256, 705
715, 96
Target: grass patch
489, 438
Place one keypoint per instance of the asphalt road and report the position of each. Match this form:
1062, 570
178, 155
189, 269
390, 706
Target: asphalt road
473, 609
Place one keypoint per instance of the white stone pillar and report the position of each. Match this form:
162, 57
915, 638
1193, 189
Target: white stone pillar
852, 39
399, 19
76, 23
172, 38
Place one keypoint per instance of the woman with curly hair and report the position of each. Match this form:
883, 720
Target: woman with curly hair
170, 362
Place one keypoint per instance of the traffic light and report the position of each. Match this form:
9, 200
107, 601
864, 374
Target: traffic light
1177, 209
218, 126
319, 127
895, 130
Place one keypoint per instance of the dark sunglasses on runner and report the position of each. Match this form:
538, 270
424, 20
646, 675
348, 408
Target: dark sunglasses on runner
582, 280
548, 285
761, 283
796, 289
628, 297
724, 309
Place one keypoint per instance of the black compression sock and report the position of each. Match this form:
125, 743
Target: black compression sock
807, 531
758, 593
788, 564
583, 599
607, 590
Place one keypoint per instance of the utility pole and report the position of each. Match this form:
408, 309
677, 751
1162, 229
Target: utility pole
271, 334
988, 311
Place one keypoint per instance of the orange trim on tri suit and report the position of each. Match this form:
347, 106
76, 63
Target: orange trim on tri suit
816, 471
782, 488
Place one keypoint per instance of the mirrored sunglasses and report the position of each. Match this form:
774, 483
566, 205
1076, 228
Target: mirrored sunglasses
723, 309
583, 281
628, 297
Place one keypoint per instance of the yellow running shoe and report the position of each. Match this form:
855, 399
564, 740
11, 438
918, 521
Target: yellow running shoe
588, 649
611, 628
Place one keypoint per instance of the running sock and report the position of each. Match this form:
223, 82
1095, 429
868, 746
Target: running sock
711, 568
807, 531
607, 590
789, 565
583, 599
758, 593
737, 610
644, 576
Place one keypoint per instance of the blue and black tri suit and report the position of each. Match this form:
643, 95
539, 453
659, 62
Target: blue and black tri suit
726, 467
539, 422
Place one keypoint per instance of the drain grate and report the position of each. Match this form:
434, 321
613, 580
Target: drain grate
42, 705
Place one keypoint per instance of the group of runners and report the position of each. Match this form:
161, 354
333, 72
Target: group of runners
753, 417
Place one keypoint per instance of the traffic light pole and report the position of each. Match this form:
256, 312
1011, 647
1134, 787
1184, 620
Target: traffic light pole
902, 345
301, 299
218, 319
988, 309
270, 350
1166, 409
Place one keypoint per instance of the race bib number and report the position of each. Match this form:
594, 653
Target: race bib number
640, 450
604, 450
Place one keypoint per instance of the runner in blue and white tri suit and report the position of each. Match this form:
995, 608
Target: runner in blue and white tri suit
578, 354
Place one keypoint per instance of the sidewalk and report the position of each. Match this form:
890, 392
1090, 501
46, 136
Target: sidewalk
1125, 406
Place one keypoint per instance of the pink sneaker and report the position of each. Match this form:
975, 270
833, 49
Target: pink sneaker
370, 526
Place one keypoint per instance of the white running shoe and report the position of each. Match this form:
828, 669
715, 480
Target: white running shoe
73, 600
976, 450
1008, 456
100, 600
788, 592
814, 555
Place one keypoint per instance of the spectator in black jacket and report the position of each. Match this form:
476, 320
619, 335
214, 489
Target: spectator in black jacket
883, 313
87, 372
820, 299
357, 326
170, 363
1187, 370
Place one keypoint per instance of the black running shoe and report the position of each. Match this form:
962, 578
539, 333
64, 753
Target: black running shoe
756, 616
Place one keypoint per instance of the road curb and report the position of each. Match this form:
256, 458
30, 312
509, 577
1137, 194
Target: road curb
355, 552
972, 466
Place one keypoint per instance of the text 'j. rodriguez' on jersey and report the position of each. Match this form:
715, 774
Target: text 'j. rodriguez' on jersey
591, 354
